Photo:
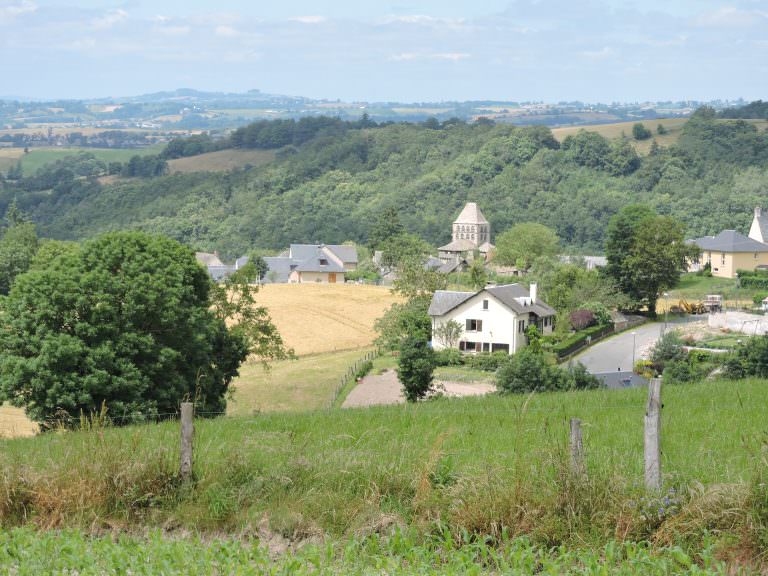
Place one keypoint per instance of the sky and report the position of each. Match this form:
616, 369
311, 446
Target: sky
406, 51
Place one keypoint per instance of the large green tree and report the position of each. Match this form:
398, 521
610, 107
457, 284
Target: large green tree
646, 254
129, 320
522, 244
18, 245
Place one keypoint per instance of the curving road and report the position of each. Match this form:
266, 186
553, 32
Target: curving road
615, 353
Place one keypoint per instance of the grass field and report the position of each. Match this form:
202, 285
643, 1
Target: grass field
26, 553
319, 318
39, 157
674, 127
221, 161
488, 466
308, 383
694, 288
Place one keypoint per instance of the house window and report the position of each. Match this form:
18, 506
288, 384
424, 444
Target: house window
521, 326
323, 262
485, 304
722, 258
474, 325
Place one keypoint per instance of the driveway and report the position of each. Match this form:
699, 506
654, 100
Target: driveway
615, 353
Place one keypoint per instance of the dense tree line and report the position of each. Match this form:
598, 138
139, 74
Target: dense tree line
333, 186
754, 110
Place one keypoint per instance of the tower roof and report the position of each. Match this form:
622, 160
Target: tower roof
471, 215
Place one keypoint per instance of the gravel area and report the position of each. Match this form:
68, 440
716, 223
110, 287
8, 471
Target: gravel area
385, 388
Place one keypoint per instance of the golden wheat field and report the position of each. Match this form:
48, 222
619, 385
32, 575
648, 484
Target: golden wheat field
317, 318
14, 423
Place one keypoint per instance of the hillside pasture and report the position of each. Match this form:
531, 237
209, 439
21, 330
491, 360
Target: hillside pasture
9, 157
476, 464
39, 157
221, 161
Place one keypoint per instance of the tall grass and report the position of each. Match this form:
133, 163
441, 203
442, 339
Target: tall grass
478, 468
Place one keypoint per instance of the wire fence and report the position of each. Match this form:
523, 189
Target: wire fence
350, 375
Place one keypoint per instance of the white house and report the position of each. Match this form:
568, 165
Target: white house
493, 319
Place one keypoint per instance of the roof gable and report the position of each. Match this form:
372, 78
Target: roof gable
471, 214
513, 296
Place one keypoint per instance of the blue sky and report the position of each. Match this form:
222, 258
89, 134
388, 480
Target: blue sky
421, 50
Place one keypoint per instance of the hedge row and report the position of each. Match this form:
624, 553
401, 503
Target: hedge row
576, 341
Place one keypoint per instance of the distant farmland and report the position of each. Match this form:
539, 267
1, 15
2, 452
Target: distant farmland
221, 161
39, 157
673, 126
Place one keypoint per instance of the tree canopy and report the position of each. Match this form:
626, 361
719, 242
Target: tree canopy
522, 244
128, 320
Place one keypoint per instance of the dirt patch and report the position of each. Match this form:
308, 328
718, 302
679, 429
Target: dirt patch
385, 388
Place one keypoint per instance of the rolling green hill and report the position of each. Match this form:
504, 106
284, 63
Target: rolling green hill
331, 187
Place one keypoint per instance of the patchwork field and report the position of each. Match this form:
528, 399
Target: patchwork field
318, 318
221, 161
673, 126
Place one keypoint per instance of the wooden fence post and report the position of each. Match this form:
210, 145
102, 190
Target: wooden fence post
652, 437
187, 431
577, 449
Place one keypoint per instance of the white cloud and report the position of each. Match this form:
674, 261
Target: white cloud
451, 56
226, 31
174, 30
309, 19
732, 17
109, 20
12, 10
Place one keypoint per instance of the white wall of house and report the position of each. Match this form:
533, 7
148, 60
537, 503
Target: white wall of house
314, 277
500, 325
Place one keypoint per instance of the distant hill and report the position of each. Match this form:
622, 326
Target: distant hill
331, 188
753, 110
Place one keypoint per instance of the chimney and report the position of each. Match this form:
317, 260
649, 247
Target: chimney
534, 292
758, 212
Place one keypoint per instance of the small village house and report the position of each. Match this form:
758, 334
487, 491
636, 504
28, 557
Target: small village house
315, 263
731, 251
493, 319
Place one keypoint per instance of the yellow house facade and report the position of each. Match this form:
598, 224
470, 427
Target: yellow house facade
729, 252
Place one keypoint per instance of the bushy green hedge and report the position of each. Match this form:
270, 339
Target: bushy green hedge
574, 341
484, 361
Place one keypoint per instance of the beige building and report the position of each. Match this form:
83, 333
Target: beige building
729, 252
470, 232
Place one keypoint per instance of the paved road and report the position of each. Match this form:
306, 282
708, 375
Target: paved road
615, 354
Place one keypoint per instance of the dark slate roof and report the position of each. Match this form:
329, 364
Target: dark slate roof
218, 273
280, 268
444, 301
508, 294
347, 254
621, 379
312, 263
433, 263
454, 266
240, 262
730, 241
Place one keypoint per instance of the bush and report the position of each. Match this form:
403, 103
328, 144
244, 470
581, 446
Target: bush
528, 371
581, 319
600, 311
487, 362
580, 379
640, 132
415, 366
679, 372
749, 359
574, 341
364, 369
669, 348
448, 357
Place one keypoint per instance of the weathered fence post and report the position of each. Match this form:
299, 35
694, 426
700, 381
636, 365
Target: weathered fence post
187, 431
577, 449
652, 444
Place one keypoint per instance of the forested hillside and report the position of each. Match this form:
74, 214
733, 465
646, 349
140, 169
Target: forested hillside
331, 186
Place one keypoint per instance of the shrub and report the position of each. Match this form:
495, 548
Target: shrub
600, 311
574, 341
640, 132
679, 372
579, 379
759, 297
415, 366
581, 319
528, 371
487, 362
364, 369
749, 359
448, 357
668, 348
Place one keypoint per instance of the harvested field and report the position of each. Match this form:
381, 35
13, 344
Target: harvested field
14, 423
221, 161
318, 318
